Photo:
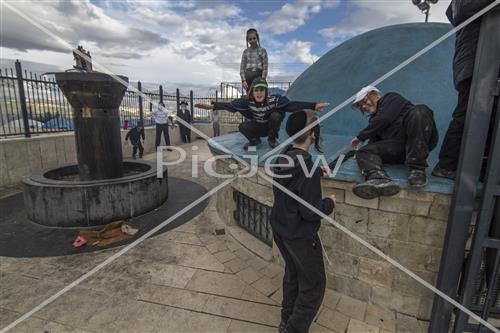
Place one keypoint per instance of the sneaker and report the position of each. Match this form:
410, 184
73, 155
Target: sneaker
417, 178
374, 188
443, 173
273, 143
251, 143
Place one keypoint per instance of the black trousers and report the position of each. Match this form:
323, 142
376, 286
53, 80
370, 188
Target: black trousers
251, 75
135, 146
253, 130
185, 134
303, 283
450, 149
412, 147
162, 128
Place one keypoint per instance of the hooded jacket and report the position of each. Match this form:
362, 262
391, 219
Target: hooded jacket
289, 218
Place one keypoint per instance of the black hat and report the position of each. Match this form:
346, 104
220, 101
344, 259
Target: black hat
296, 122
183, 103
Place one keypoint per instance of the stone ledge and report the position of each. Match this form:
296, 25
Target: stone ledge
253, 244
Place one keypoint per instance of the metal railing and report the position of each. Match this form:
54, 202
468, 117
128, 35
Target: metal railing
254, 217
32, 104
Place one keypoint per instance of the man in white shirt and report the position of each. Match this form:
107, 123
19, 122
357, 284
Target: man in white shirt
160, 117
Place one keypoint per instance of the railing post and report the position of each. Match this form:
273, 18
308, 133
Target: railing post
216, 96
178, 99
161, 93
141, 110
191, 104
22, 97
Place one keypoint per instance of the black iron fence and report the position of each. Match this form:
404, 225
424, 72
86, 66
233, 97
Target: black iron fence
254, 217
33, 104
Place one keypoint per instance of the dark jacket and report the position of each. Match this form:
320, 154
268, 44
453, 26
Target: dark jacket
466, 39
290, 219
134, 134
387, 122
260, 111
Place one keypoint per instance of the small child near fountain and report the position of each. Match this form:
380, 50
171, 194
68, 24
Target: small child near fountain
135, 135
295, 226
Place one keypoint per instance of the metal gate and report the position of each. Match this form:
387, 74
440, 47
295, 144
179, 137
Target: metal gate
254, 217
471, 276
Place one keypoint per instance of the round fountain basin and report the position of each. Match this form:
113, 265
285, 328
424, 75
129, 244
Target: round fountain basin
57, 197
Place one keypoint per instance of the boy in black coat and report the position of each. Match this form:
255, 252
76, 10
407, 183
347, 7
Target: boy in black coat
295, 227
264, 113
135, 135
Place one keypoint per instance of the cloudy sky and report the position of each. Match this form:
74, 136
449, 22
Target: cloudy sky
193, 43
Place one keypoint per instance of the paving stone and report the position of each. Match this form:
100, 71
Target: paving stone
236, 265
187, 238
216, 247
277, 296
407, 324
244, 310
33, 324
271, 270
253, 295
224, 256
21, 294
216, 283
331, 298
333, 320
424, 325
181, 298
238, 326
257, 263
249, 275
267, 286
316, 328
351, 307
357, 326
380, 317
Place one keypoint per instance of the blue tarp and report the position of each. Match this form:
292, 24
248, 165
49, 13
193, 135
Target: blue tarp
59, 123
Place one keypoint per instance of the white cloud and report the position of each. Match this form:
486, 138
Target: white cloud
368, 15
290, 17
301, 50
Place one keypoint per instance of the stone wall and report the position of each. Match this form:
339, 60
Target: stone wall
21, 156
408, 227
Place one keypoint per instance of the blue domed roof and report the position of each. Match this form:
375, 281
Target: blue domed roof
341, 72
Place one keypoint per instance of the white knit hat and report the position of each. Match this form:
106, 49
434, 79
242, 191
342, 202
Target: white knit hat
363, 93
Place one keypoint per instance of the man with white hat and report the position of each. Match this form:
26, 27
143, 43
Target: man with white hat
398, 133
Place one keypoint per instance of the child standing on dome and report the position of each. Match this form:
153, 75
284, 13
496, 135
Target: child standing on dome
253, 60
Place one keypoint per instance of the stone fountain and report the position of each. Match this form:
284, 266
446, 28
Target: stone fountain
102, 187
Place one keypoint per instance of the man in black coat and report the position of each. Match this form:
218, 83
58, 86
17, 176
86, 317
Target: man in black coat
399, 132
185, 115
463, 67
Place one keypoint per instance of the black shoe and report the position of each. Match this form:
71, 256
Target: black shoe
251, 143
273, 143
443, 173
282, 327
376, 187
417, 178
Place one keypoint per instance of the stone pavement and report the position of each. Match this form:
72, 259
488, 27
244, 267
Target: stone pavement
185, 280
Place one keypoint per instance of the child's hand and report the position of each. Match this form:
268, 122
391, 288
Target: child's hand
326, 170
355, 143
334, 199
320, 106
